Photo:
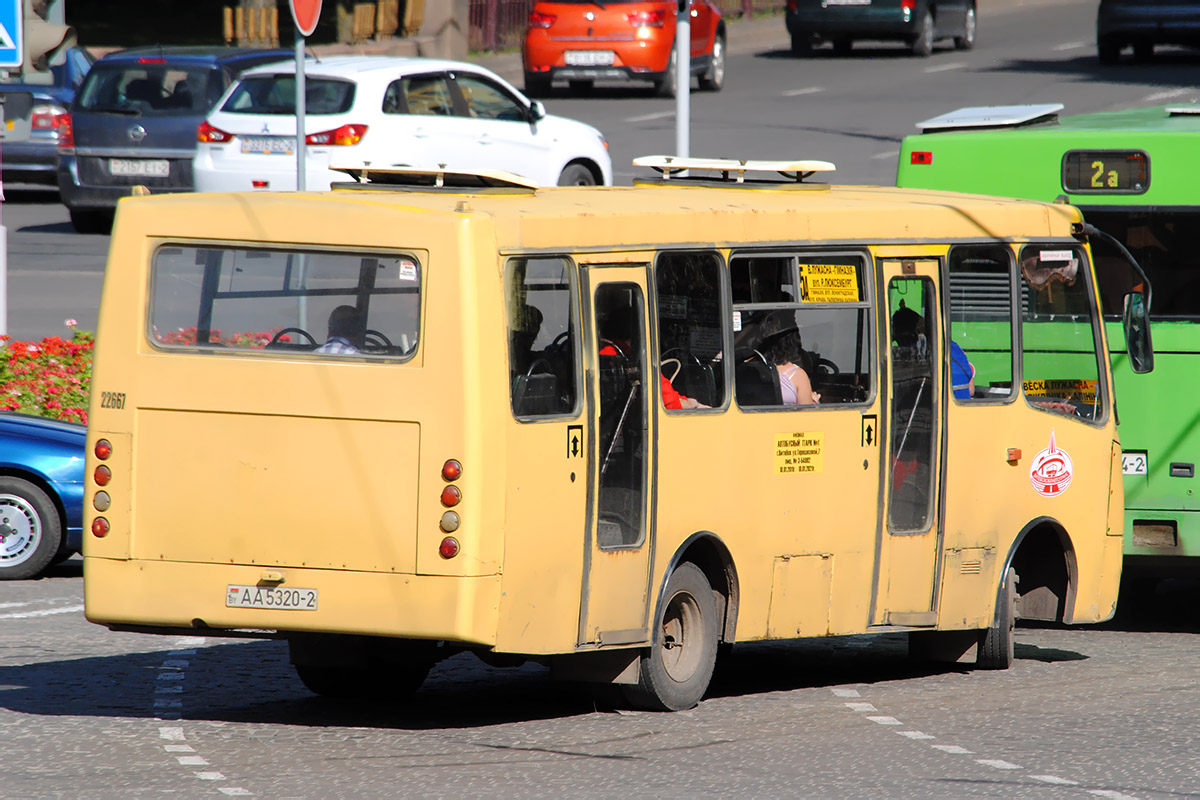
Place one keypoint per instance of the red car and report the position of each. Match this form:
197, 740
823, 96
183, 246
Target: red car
582, 42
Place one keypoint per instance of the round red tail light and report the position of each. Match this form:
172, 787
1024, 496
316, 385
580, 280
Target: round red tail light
102, 475
449, 547
100, 527
451, 496
451, 470
103, 449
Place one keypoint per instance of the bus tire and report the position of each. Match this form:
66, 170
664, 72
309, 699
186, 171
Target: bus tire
675, 672
30, 531
996, 643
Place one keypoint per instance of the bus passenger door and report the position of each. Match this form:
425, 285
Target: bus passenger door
613, 609
912, 534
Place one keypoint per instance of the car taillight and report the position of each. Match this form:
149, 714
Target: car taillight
345, 135
208, 133
66, 135
908, 6
791, 5
47, 117
921, 157
647, 19
538, 19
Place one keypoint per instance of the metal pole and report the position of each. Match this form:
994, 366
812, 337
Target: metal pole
301, 110
683, 78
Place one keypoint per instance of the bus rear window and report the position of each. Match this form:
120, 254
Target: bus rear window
286, 301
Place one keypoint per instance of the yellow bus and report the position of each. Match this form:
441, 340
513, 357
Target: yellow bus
608, 429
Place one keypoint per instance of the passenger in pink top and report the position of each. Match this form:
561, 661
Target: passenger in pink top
781, 346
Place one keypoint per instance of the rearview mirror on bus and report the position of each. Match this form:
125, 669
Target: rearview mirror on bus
1137, 333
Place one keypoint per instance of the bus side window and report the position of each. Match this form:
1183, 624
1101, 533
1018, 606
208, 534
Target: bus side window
542, 336
980, 288
1059, 339
690, 337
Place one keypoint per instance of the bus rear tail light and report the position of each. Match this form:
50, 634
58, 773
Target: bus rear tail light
103, 449
448, 548
924, 157
451, 470
100, 527
102, 475
344, 136
451, 496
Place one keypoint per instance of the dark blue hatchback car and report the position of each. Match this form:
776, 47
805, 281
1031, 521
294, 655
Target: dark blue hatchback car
134, 122
41, 493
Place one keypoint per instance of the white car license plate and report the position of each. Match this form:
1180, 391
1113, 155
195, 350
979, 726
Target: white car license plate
279, 597
589, 58
1134, 463
269, 145
139, 167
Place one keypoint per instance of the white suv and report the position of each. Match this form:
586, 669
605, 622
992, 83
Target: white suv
382, 111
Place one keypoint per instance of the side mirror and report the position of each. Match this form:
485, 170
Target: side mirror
1136, 319
536, 111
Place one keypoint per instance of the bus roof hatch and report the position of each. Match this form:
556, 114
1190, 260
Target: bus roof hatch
732, 170
976, 117
418, 178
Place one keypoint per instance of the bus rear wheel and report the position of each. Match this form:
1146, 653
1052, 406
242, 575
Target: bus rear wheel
390, 682
996, 643
676, 670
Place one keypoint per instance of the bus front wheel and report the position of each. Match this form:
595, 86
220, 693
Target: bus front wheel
996, 643
676, 670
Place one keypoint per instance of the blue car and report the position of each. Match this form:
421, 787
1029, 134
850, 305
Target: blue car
41, 493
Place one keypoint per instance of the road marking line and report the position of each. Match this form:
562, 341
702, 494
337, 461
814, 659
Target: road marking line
944, 67
648, 117
916, 735
1164, 95
888, 154
164, 703
846, 692
179, 748
171, 734
190, 641
1111, 794
169, 690
234, 791
192, 761
1058, 48
885, 720
13, 605
860, 707
209, 776
997, 763
175, 662
172, 676
1057, 781
804, 91
44, 613
952, 748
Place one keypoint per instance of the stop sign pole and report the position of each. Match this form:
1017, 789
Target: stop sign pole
305, 14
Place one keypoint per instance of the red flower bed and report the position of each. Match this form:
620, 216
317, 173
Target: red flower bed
50, 378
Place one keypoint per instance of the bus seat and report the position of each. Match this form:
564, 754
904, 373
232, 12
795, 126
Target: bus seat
757, 384
535, 394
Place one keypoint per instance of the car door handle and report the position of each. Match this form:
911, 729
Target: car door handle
420, 133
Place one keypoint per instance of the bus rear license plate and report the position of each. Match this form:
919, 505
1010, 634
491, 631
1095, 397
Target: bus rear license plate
589, 58
140, 167
276, 597
1134, 463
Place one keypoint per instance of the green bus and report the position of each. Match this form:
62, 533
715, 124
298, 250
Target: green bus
1135, 175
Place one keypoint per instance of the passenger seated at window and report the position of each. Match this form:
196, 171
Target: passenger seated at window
347, 329
781, 345
526, 325
616, 331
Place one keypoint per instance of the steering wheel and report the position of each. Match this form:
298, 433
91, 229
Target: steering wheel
825, 367
284, 331
560, 341
373, 338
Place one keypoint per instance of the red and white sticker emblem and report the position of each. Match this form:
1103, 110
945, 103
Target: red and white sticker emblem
1051, 470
